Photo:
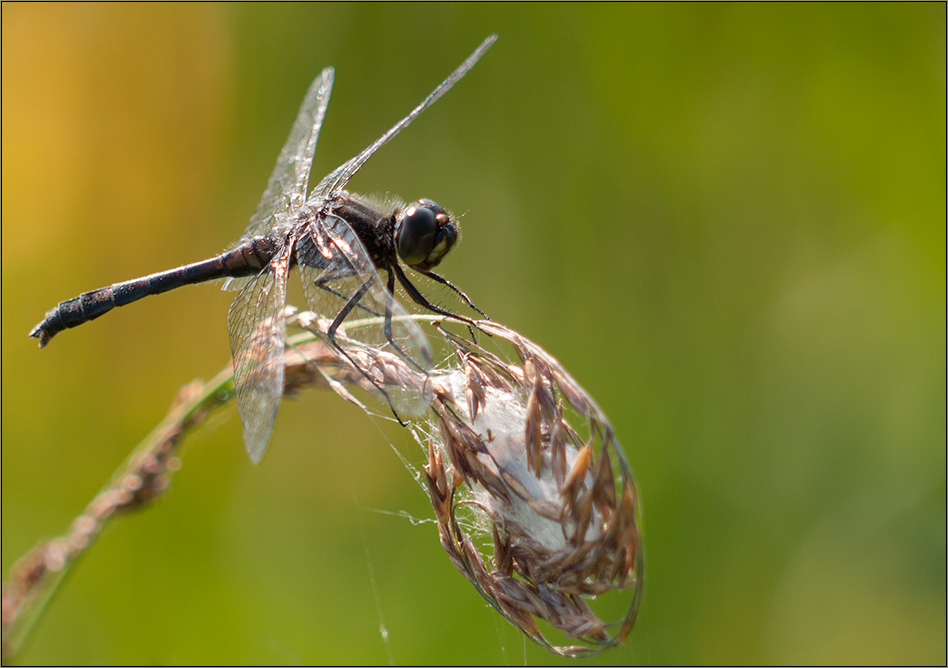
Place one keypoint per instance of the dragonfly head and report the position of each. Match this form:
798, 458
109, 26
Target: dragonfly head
424, 234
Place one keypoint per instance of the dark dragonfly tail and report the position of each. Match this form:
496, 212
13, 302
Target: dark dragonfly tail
245, 260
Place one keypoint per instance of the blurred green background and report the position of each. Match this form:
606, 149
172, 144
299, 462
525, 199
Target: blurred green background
727, 221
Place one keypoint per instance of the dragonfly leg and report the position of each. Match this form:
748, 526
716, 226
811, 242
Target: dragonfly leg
443, 281
421, 301
388, 324
331, 335
323, 283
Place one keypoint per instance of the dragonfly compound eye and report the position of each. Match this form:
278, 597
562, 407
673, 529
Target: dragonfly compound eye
337, 240
425, 234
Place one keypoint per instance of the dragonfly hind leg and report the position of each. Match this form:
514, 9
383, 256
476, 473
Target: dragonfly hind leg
323, 283
351, 304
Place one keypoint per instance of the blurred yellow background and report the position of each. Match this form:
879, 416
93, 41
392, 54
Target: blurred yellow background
727, 221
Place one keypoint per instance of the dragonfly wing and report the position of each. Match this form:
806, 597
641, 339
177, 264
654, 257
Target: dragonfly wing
336, 269
340, 177
286, 189
256, 324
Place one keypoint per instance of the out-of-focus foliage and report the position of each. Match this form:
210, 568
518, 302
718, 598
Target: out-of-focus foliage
726, 221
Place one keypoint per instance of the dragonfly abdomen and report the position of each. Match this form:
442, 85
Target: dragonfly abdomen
246, 259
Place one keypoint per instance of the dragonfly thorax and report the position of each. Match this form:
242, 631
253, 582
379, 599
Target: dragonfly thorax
424, 233
339, 242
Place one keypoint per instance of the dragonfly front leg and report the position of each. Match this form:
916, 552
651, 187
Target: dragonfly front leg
419, 299
443, 281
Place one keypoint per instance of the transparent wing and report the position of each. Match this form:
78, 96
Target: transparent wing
342, 285
340, 177
286, 189
256, 323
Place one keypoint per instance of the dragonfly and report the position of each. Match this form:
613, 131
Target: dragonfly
338, 240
